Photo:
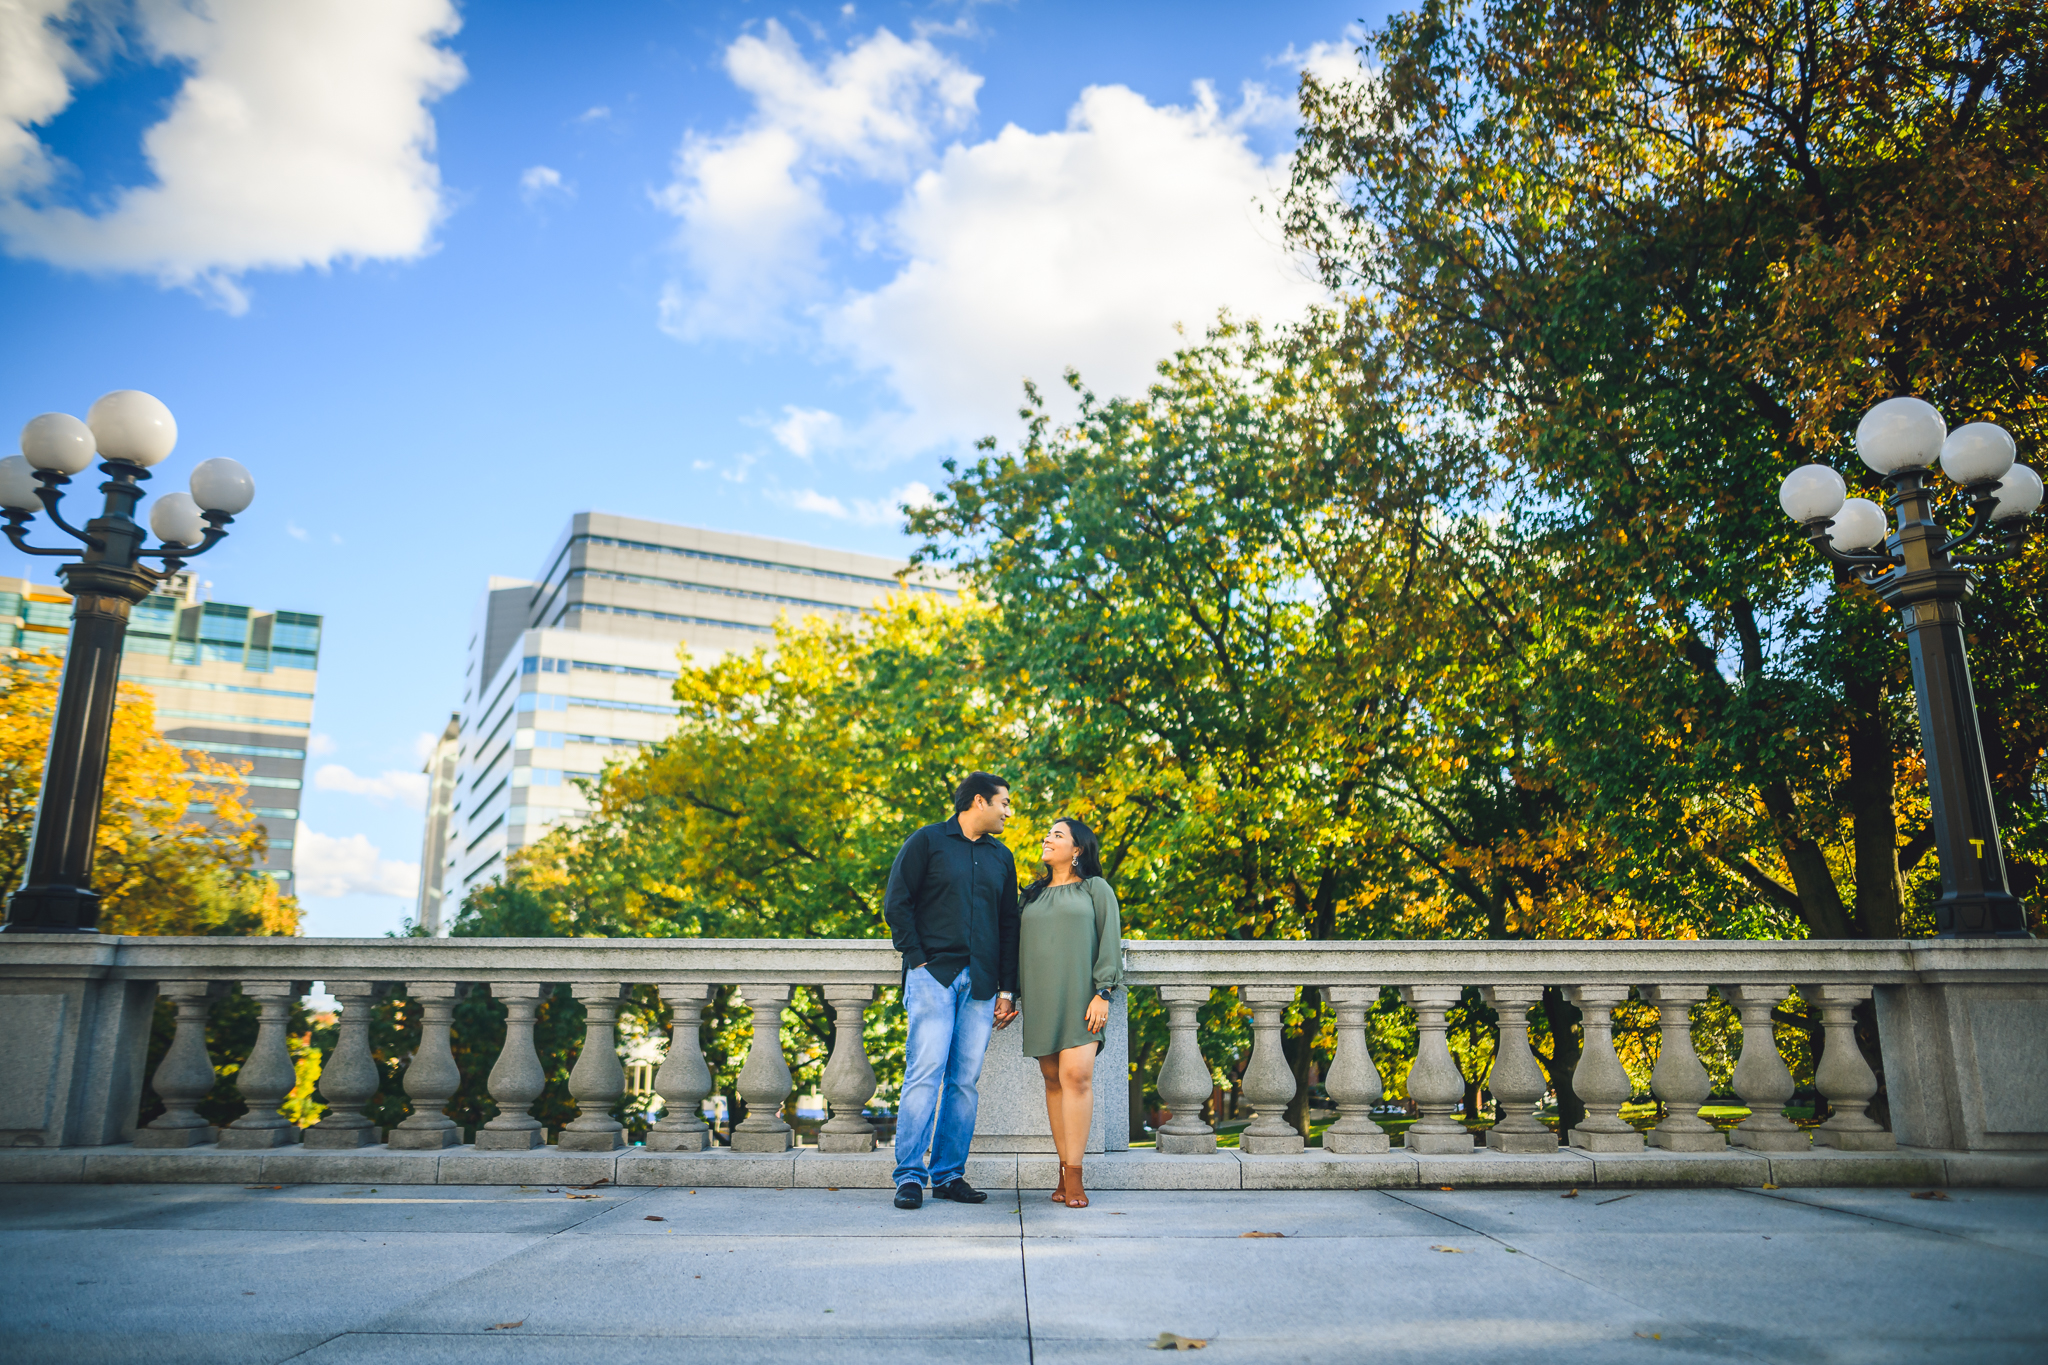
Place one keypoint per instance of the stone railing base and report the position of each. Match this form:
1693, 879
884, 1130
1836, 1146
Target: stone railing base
1135, 1170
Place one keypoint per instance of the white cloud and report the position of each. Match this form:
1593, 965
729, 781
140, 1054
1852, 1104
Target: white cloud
406, 788
596, 113
803, 431
1018, 256
544, 182
866, 511
1035, 252
294, 530
300, 137
1330, 63
326, 866
321, 745
753, 202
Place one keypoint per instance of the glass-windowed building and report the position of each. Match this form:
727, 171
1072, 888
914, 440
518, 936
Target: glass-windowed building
232, 681
579, 667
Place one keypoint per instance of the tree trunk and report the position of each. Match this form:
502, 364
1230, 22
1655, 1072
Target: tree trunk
1301, 1057
1867, 1043
1873, 812
1563, 1017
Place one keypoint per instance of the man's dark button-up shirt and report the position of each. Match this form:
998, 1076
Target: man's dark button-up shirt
952, 903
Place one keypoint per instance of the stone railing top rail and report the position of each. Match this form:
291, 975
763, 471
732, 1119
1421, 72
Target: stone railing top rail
1148, 962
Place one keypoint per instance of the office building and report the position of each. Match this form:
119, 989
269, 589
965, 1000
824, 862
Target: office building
232, 681
578, 667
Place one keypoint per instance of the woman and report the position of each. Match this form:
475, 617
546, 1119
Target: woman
1070, 962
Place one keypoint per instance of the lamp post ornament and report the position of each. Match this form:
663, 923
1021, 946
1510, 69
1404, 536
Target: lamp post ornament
1917, 572
129, 431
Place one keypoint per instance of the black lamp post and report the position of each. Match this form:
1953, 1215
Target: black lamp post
1917, 572
129, 431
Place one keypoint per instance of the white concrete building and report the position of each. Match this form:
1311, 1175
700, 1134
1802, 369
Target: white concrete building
579, 667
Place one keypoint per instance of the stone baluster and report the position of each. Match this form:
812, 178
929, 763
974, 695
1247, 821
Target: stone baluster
1434, 1081
431, 1077
1184, 1080
1599, 1080
1679, 1080
1353, 1081
1517, 1082
765, 1080
1843, 1076
598, 1080
849, 1077
516, 1079
268, 1076
683, 1080
1761, 1079
185, 1076
348, 1079
1268, 1083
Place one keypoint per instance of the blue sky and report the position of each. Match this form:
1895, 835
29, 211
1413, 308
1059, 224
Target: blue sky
441, 276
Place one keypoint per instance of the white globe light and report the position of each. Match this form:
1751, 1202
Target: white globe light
176, 520
18, 485
130, 425
2019, 493
1899, 434
58, 441
1859, 525
1812, 492
222, 485
1978, 452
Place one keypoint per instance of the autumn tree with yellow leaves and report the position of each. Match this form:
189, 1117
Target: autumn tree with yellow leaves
176, 849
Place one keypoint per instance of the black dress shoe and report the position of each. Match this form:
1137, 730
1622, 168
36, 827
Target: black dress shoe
960, 1192
910, 1195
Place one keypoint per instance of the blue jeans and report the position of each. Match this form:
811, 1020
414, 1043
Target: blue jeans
941, 1067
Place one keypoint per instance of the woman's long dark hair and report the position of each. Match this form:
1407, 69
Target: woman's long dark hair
1087, 857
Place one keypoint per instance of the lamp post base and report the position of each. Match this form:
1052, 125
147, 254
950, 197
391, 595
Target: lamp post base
52, 910
1991, 914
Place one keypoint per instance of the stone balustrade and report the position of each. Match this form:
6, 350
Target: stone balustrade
1963, 1029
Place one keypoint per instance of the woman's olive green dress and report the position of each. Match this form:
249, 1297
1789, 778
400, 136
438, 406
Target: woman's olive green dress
1068, 946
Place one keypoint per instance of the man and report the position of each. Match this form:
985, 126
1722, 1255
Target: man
952, 911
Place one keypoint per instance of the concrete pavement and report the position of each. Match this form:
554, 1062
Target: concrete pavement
363, 1273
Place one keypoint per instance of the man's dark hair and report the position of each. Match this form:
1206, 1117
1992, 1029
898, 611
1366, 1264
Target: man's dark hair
983, 785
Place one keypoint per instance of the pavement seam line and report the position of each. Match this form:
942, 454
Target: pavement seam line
1598, 1288
1879, 1218
1024, 1282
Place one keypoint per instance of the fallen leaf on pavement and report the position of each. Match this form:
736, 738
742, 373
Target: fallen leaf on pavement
1651, 1336
829, 1189
1243, 1235
582, 1196
1447, 1188
1169, 1342
1930, 1194
1569, 1194
1455, 1251
505, 1326
655, 1218
262, 1187
1770, 1187
601, 1180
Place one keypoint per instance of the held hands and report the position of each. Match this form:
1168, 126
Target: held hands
1098, 1014
1006, 1012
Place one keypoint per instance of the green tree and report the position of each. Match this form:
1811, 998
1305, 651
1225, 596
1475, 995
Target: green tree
1659, 254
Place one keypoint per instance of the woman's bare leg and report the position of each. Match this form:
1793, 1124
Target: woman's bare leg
1077, 1106
1049, 1067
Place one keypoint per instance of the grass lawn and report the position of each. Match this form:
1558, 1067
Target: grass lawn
1642, 1116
